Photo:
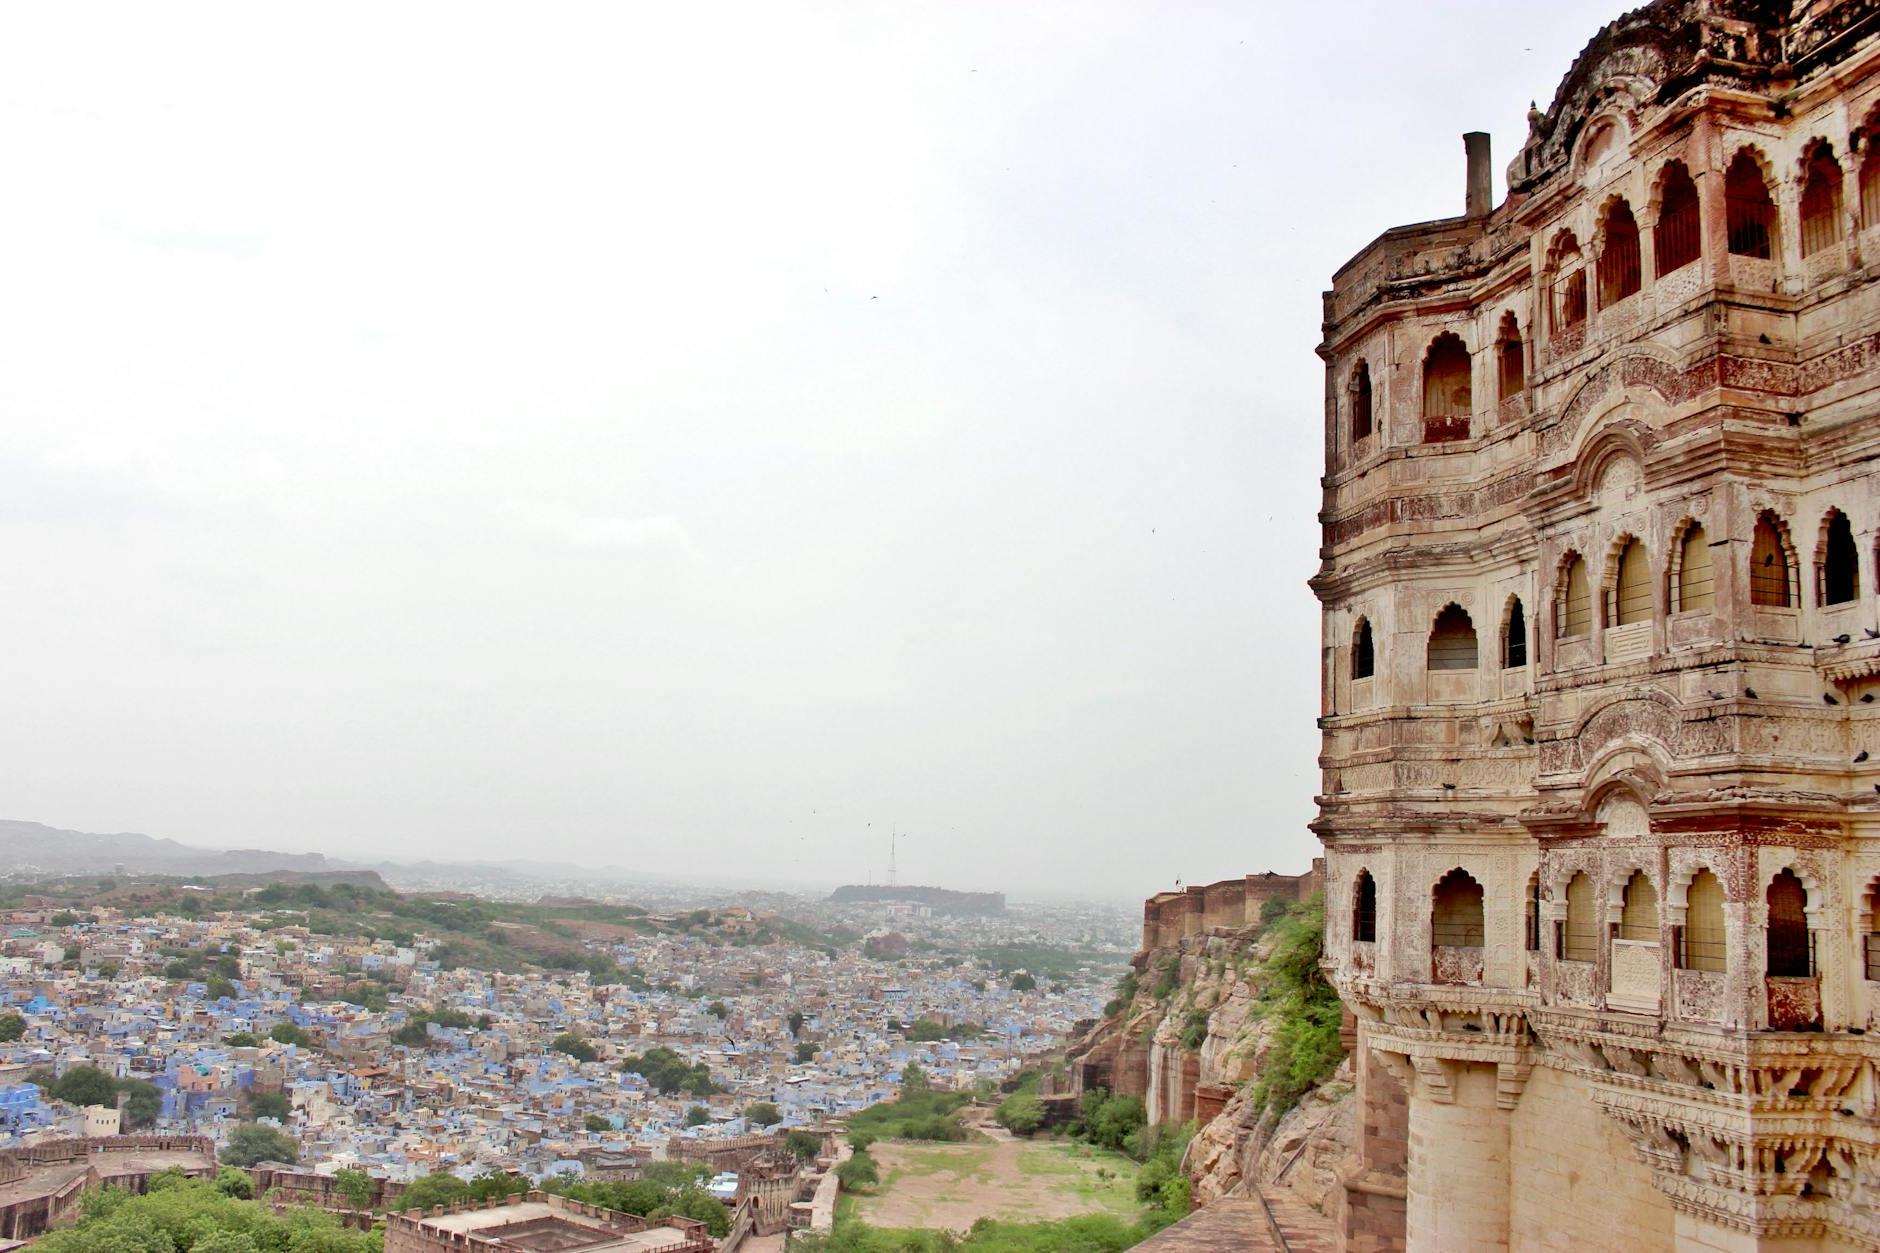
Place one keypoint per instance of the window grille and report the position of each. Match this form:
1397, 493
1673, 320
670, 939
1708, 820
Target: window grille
1618, 258
1638, 918
1632, 600
1452, 641
1676, 241
1580, 937
1821, 203
1701, 940
1749, 213
1790, 951
1768, 567
1456, 914
1696, 579
1575, 617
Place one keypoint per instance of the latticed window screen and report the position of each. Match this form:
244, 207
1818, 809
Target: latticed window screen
1676, 240
1749, 213
1452, 641
1575, 616
1364, 909
1363, 659
1768, 567
1580, 936
1821, 203
1632, 600
1456, 911
1618, 257
1696, 582
1703, 924
1638, 919
1840, 563
1517, 638
1789, 949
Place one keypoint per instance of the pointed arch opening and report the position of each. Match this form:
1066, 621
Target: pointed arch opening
1452, 640
1677, 239
1638, 911
1696, 583
1769, 581
1567, 283
1618, 254
1702, 942
1363, 656
1510, 359
1360, 401
1822, 181
1448, 397
1456, 911
1789, 952
1579, 934
1870, 176
1632, 586
1514, 641
1839, 561
1364, 909
1573, 607
1749, 210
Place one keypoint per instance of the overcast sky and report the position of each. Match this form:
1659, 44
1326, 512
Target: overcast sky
697, 437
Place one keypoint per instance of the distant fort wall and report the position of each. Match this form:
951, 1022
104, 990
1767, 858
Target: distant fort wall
1231, 903
940, 900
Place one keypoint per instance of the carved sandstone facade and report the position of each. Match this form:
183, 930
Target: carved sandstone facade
1601, 796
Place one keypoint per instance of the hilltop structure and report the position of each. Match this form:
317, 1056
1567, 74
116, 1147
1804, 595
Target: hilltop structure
1601, 795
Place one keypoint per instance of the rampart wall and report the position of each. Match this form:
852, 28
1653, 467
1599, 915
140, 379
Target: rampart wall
1232, 903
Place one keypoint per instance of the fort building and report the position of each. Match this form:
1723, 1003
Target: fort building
1601, 745
42, 1185
539, 1222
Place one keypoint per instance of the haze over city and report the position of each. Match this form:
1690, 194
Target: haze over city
701, 438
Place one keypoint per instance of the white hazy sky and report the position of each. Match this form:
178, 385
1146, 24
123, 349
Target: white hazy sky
697, 437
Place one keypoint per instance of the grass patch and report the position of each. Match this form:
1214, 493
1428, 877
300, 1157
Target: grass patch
1303, 1007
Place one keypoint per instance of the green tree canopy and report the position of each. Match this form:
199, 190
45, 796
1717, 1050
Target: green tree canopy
86, 1085
440, 1188
574, 1046
288, 1033
251, 1143
12, 1027
697, 1116
355, 1186
763, 1113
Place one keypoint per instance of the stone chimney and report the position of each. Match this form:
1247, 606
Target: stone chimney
1481, 185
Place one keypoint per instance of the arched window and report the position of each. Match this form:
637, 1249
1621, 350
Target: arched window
1769, 566
1632, 593
1456, 911
1360, 401
1618, 255
1840, 561
1696, 583
1702, 948
1789, 949
1447, 397
1533, 919
1870, 185
1363, 659
1364, 909
1821, 201
1573, 615
1511, 362
1579, 938
1514, 644
1676, 240
1638, 916
1749, 213
1872, 938
1569, 282
1452, 640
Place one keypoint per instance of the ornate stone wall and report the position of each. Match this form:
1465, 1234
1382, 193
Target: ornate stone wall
1659, 518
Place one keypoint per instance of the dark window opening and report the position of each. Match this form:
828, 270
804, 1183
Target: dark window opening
1789, 948
1749, 213
1364, 910
1618, 257
1676, 241
1456, 912
1840, 565
1516, 656
1363, 661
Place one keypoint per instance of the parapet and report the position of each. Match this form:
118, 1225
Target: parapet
1167, 917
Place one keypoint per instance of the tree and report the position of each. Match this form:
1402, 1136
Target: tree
440, 1188
697, 1116
805, 1051
269, 1105
805, 1145
235, 1183
242, 1040
86, 1085
859, 1170
595, 1123
12, 1027
251, 1143
668, 1073
718, 1010
796, 1024
913, 1077
143, 1103
288, 1033
763, 1113
65, 918
574, 1046
1022, 982
217, 987
1021, 1113
412, 1035
355, 1186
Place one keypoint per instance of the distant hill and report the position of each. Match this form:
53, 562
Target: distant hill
941, 900
33, 848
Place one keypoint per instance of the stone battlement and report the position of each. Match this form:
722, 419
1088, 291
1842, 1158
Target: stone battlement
1232, 903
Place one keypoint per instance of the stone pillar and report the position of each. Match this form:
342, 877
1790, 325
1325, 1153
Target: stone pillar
1458, 1191
1371, 1210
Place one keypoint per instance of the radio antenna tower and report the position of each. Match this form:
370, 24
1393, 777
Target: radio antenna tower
892, 840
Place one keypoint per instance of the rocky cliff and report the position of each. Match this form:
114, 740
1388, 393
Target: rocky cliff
1210, 1028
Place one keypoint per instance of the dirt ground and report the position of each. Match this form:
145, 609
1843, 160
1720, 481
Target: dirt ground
950, 1186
